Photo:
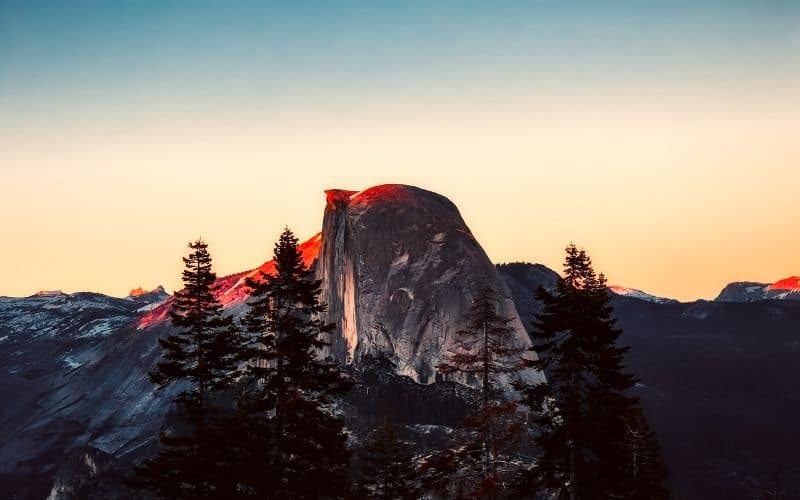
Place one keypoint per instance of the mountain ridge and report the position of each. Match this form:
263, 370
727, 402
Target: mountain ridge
398, 266
750, 291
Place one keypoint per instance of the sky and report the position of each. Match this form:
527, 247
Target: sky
664, 137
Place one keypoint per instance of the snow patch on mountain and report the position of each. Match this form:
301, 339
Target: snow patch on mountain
747, 291
71, 363
102, 327
81, 314
638, 294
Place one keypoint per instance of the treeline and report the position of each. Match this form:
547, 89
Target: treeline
260, 408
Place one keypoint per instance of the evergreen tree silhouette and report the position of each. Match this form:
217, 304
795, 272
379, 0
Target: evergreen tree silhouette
294, 446
202, 355
645, 470
484, 350
582, 414
387, 466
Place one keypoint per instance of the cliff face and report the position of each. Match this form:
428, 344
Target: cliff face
399, 269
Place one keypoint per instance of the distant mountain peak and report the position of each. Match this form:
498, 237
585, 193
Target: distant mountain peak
48, 293
749, 291
150, 299
791, 283
638, 294
139, 291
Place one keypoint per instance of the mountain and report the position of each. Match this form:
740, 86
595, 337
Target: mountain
748, 291
638, 294
398, 266
77, 375
787, 288
149, 297
743, 291
399, 270
55, 316
717, 380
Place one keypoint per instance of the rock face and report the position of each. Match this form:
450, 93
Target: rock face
158, 294
399, 269
522, 280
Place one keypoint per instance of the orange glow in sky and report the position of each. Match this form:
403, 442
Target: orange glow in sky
675, 198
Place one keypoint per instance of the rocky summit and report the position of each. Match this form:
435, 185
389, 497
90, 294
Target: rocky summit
400, 269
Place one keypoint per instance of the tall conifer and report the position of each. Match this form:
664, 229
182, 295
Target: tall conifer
582, 413
386, 466
485, 351
296, 445
644, 469
202, 354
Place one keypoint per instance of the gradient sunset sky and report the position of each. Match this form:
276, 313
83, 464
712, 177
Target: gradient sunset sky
662, 136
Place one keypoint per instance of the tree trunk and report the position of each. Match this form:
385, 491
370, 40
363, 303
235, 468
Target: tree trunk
486, 457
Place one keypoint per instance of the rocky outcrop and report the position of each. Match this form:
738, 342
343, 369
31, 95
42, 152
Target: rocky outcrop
399, 269
744, 291
156, 295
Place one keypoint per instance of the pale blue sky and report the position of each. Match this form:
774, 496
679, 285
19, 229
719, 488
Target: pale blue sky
79, 56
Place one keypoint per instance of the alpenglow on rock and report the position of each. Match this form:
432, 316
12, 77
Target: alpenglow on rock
747, 291
399, 270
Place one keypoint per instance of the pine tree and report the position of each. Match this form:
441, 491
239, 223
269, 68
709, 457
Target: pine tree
485, 350
645, 471
202, 354
461, 471
581, 414
387, 467
456, 472
295, 446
